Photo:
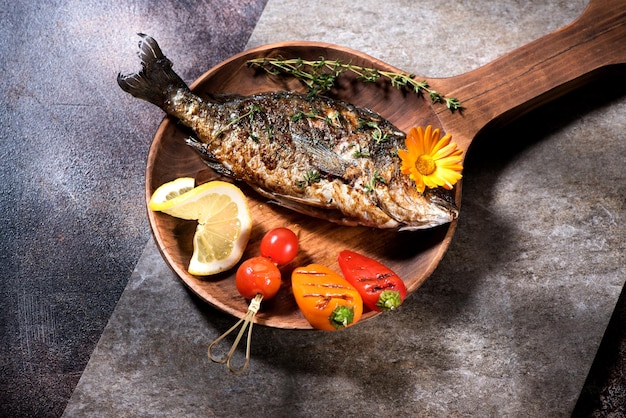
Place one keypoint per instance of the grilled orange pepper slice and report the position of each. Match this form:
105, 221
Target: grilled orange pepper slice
325, 298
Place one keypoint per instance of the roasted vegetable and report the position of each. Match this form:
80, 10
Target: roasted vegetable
381, 288
325, 298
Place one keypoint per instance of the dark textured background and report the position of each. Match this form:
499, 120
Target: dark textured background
72, 196
73, 215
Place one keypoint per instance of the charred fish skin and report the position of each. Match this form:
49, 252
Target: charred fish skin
316, 155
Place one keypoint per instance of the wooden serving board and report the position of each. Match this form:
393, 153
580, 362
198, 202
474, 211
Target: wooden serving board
506, 88
409, 254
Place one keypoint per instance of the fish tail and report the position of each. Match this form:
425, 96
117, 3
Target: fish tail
156, 81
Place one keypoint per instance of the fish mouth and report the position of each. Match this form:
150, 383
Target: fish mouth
447, 205
442, 210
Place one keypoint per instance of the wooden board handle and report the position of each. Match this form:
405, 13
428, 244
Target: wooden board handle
537, 72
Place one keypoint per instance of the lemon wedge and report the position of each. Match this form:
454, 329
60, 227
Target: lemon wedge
224, 221
170, 198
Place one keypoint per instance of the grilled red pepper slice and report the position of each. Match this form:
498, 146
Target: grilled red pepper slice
381, 288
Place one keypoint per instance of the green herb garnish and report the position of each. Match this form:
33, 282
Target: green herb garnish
310, 177
233, 121
378, 134
376, 178
320, 76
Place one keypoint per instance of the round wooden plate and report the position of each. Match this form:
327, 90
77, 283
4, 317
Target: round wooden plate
412, 255
499, 91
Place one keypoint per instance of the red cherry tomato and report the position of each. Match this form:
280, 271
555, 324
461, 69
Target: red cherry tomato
280, 245
258, 275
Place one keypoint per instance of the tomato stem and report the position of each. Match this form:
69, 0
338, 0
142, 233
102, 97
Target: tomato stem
247, 321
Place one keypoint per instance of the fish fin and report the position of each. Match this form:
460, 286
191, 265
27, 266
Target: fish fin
332, 215
306, 207
322, 157
208, 158
156, 80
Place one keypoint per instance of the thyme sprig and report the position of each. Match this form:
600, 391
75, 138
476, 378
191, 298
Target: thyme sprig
371, 185
360, 152
320, 76
313, 114
235, 120
310, 177
378, 134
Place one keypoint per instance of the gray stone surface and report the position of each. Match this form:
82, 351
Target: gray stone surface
509, 323
429, 38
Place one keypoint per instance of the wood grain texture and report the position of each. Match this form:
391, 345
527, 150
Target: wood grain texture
509, 86
538, 72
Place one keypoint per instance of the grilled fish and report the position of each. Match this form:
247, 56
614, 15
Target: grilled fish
318, 156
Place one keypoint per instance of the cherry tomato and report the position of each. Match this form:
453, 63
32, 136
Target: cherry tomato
280, 245
258, 275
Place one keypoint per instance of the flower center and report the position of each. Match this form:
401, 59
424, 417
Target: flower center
425, 164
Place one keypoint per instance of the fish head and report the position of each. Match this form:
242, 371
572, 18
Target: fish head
414, 210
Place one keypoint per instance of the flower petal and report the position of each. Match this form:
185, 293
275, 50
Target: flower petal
426, 144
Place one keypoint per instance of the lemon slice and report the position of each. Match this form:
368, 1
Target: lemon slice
223, 216
170, 198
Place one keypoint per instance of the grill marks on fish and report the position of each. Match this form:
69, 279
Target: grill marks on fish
316, 155
302, 151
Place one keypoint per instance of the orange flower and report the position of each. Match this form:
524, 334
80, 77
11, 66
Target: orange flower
430, 161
